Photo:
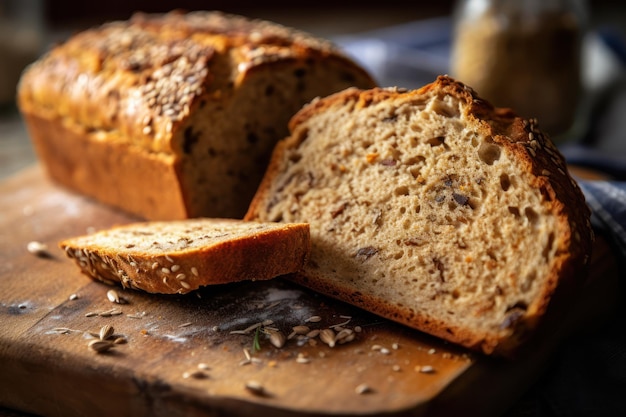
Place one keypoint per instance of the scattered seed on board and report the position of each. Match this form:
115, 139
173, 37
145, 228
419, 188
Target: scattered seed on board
121, 340
277, 338
328, 336
73, 297
313, 319
301, 358
255, 387
426, 369
113, 296
38, 248
106, 331
62, 330
363, 389
196, 374
100, 346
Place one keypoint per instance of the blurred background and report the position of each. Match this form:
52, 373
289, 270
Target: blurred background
401, 44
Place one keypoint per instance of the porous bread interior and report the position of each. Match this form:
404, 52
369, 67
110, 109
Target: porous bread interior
410, 206
157, 238
223, 156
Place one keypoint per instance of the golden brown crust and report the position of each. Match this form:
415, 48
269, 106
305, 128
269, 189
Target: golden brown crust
534, 153
145, 75
254, 252
116, 172
182, 89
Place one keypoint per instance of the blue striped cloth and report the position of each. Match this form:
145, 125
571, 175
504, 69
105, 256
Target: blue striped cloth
607, 200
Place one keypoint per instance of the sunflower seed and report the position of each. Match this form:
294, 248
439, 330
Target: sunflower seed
38, 248
313, 319
255, 387
196, 374
313, 333
100, 346
62, 330
106, 331
277, 338
113, 296
301, 329
328, 336
363, 389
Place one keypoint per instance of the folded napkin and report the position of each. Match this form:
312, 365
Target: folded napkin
607, 200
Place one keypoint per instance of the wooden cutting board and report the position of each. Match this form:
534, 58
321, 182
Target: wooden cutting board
48, 309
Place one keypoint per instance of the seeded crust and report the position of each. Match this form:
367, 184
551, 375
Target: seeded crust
181, 256
431, 208
170, 116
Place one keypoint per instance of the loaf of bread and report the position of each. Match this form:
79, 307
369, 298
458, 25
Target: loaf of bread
179, 256
431, 208
174, 116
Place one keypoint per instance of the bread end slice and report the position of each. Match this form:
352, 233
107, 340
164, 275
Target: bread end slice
182, 256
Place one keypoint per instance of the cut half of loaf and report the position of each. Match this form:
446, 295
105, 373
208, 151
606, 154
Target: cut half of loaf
181, 256
431, 208
173, 116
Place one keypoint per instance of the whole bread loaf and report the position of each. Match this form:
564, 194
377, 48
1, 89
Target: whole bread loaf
431, 208
174, 116
180, 256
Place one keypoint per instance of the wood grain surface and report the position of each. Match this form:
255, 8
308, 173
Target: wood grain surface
48, 310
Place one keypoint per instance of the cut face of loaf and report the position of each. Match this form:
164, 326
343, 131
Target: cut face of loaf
175, 116
430, 208
181, 256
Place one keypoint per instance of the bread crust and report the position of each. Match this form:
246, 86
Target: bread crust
534, 152
147, 84
262, 252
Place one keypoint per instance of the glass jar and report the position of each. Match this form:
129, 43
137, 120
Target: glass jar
523, 54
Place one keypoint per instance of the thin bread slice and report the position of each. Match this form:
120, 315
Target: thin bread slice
181, 256
431, 208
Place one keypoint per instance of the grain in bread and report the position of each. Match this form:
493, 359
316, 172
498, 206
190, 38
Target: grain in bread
171, 116
181, 256
431, 208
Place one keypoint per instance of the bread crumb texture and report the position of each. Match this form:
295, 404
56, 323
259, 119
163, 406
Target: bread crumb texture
432, 208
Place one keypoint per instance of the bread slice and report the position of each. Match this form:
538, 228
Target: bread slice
431, 208
181, 256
